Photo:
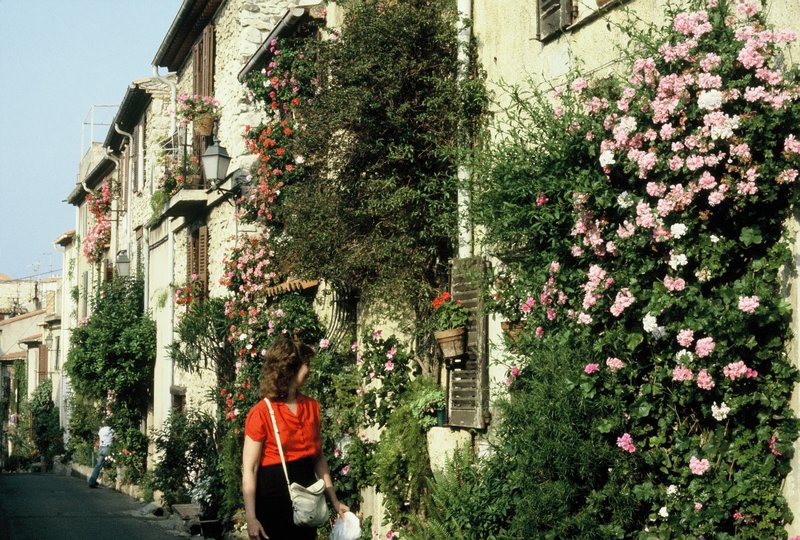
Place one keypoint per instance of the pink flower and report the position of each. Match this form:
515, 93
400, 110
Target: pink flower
748, 304
704, 380
591, 368
354, 346
527, 305
324, 343
735, 370
772, 442
584, 318
623, 300
377, 334
515, 371
791, 145
674, 284
345, 470
542, 199
682, 373
685, 337
539, 332
614, 363
389, 365
391, 352
704, 347
698, 506
579, 84
625, 441
698, 466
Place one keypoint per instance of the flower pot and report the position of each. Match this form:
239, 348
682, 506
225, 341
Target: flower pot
204, 125
452, 342
441, 417
194, 181
512, 329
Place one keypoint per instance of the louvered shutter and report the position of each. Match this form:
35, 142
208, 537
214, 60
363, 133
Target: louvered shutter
43, 363
203, 84
191, 256
209, 49
468, 377
135, 160
202, 258
553, 16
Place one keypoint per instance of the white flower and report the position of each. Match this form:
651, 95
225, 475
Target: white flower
672, 489
663, 512
624, 200
677, 260
678, 230
242, 337
649, 323
720, 413
709, 100
607, 158
659, 332
684, 357
714, 238
724, 130
300, 160
627, 123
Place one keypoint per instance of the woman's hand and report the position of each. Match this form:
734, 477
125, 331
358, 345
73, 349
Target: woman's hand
255, 530
341, 508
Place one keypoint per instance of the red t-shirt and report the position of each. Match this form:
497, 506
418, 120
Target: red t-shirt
299, 432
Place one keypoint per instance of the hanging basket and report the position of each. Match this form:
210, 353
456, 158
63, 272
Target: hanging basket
452, 342
204, 125
512, 329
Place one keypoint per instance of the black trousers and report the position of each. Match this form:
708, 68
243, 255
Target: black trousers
273, 505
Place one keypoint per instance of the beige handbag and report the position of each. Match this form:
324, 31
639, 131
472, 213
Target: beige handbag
308, 503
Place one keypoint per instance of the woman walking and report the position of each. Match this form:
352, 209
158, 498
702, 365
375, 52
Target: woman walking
267, 505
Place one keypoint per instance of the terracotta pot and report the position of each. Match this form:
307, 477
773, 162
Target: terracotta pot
601, 3
452, 342
204, 125
512, 329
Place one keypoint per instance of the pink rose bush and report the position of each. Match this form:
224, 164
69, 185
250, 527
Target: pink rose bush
98, 236
667, 223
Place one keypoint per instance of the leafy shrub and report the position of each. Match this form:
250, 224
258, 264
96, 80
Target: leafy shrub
187, 462
48, 437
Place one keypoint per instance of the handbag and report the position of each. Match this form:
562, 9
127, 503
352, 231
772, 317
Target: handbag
308, 503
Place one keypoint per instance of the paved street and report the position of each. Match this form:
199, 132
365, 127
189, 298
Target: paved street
48, 506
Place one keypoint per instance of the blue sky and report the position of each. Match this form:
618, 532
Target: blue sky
57, 59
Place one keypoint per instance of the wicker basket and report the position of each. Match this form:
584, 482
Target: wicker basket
452, 342
204, 125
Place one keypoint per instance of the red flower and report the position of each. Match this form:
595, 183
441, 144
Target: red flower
445, 296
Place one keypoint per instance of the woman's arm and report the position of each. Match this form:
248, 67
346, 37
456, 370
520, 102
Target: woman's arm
324, 472
251, 456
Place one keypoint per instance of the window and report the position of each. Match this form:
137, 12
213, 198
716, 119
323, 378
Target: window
467, 378
554, 15
198, 258
203, 73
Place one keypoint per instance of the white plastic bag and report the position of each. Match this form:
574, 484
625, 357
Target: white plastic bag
348, 528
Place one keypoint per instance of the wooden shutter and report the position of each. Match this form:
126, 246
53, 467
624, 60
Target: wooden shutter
468, 377
135, 160
108, 272
42, 363
191, 255
553, 16
202, 258
203, 79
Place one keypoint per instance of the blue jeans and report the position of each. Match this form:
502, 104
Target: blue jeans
101, 460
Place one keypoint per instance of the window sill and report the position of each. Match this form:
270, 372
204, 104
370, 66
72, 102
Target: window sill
592, 16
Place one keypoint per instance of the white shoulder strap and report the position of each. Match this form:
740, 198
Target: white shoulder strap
278, 439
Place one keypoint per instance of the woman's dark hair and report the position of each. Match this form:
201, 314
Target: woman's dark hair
281, 363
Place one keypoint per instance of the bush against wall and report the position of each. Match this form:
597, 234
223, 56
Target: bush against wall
48, 437
111, 362
646, 216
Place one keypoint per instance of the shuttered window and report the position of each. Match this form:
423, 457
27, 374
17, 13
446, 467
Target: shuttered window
135, 160
198, 258
554, 15
43, 364
203, 73
467, 378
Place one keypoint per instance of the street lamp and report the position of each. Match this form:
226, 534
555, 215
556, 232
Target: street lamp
123, 264
215, 162
48, 341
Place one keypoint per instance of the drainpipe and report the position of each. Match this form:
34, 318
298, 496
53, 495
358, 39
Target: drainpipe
466, 242
170, 309
173, 98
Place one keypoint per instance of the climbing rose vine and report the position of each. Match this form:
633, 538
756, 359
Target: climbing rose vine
646, 216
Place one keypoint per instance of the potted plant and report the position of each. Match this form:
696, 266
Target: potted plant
450, 319
202, 111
